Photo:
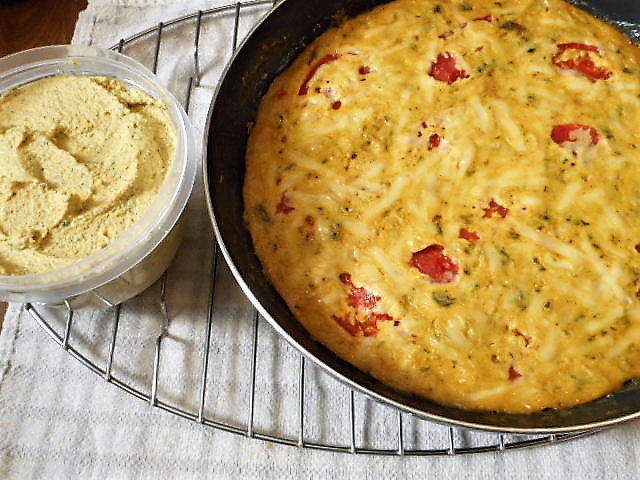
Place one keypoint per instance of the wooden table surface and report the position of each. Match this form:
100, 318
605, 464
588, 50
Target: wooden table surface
33, 23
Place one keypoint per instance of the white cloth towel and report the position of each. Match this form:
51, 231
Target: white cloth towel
60, 420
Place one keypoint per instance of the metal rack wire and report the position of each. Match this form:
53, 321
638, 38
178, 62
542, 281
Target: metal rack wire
263, 403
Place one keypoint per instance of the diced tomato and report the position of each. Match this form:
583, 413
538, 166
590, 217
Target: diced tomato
527, 338
328, 58
359, 297
444, 69
432, 261
363, 302
582, 63
284, 206
487, 18
495, 208
353, 328
469, 235
434, 141
513, 373
637, 247
370, 325
446, 34
336, 105
367, 328
364, 69
566, 133
562, 47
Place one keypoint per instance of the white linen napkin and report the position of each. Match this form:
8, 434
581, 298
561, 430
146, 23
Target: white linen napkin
60, 420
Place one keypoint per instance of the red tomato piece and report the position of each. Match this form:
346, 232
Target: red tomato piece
582, 63
495, 208
444, 69
370, 326
284, 206
566, 133
346, 279
364, 69
527, 338
513, 373
469, 235
328, 58
359, 296
562, 47
446, 34
434, 141
367, 328
363, 302
432, 261
352, 328
487, 18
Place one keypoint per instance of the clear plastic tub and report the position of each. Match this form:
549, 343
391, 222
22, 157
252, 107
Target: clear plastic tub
138, 257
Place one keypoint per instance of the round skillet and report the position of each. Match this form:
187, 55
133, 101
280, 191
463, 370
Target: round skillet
271, 46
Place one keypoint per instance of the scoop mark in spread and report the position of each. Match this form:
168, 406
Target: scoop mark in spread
432, 261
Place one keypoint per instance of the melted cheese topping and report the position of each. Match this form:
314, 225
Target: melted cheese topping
445, 193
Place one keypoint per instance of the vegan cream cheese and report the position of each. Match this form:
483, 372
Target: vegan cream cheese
446, 194
82, 159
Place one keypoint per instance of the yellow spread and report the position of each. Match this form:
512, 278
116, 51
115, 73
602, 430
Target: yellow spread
445, 193
82, 159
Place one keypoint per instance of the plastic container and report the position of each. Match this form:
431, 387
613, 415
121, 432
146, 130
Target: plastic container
139, 256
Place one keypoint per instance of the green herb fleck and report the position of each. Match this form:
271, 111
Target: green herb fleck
443, 298
262, 213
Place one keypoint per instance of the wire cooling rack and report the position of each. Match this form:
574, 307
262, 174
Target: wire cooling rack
203, 353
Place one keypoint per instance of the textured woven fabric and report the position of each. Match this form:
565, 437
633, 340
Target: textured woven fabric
60, 420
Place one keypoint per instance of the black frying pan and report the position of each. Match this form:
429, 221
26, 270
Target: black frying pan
267, 50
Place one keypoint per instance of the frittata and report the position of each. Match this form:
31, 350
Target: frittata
445, 193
